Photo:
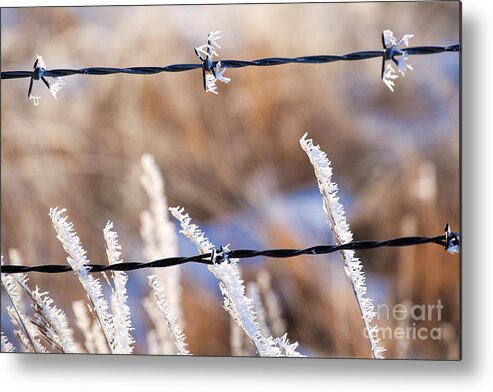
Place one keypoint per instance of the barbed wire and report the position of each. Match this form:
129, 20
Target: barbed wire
213, 71
449, 240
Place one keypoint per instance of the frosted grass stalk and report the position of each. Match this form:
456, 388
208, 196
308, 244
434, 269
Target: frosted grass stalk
122, 323
162, 336
235, 339
342, 234
254, 294
174, 329
78, 261
50, 320
158, 232
25, 332
94, 340
6, 347
272, 306
236, 303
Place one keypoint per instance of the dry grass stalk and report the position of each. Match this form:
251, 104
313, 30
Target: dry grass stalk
160, 240
166, 310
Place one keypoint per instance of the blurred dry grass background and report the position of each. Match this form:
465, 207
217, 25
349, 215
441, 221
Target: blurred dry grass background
395, 156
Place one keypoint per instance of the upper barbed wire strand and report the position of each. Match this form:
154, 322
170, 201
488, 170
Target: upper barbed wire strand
263, 62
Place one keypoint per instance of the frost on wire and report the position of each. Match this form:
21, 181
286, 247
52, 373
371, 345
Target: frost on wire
399, 56
56, 83
212, 73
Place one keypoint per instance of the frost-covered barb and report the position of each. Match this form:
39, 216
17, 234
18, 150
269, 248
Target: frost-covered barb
342, 234
174, 329
391, 40
160, 240
122, 323
6, 347
238, 305
452, 240
78, 261
395, 52
211, 72
39, 73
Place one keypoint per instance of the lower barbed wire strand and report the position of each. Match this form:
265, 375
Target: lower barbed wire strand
207, 258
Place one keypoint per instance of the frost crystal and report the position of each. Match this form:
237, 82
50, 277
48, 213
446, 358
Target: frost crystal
56, 82
56, 86
210, 84
391, 40
218, 73
389, 76
342, 234
453, 249
34, 99
452, 240
402, 64
212, 39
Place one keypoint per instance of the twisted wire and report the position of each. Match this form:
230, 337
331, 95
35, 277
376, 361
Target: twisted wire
446, 240
264, 62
